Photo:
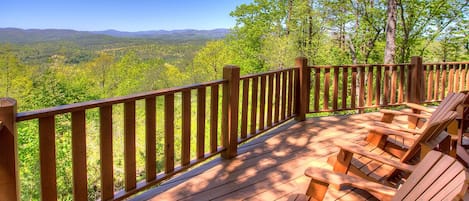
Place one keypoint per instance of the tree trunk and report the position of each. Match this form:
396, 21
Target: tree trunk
390, 49
289, 12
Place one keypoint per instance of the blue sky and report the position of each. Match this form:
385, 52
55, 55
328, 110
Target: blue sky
123, 15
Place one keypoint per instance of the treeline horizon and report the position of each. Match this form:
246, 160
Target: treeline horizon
269, 35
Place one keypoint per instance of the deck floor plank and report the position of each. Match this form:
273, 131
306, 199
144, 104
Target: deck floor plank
272, 166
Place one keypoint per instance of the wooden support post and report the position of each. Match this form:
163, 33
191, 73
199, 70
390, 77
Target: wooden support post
9, 180
303, 88
415, 81
230, 104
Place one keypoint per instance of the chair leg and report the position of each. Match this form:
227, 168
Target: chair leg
343, 161
376, 139
387, 118
413, 121
317, 189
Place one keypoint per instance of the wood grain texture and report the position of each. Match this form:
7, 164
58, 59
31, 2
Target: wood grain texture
335, 88
47, 158
369, 77
186, 128
214, 91
169, 133
105, 145
150, 138
326, 88
254, 98
201, 109
262, 91
244, 109
80, 184
270, 97
130, 169
344, 87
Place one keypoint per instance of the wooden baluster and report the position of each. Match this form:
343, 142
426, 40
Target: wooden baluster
214, 118
201, 101
47, 158
150, 138
361, 96
80, 184
335, 86
386, 86
326, 88
467, 76
400, 98
369, 98
262, 103
456, 77
463, 77
436, 92
270, 92
290, 93
277, 98
429, 82
129, 146
254, 105
451, 78
378, 86
169, 133
105, 141
443, 81
393, 84
344, 86
244, 109
353, 94
186, 128
283, 107
317, 88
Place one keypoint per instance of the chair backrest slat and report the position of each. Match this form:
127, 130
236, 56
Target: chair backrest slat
448, 104
430, 132
437, 177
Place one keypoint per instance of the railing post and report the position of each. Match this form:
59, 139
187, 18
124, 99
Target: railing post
9, 180
230, 111
302, 87
415, 81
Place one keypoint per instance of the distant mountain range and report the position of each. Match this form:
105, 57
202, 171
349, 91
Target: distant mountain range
184, 33
15, 35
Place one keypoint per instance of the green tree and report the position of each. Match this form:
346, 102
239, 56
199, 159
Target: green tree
209, 61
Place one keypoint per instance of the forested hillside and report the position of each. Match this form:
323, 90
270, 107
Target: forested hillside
45, 68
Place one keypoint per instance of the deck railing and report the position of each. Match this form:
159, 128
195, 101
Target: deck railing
250, 105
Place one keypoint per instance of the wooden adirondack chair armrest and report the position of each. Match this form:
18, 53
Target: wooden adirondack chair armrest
357, 149
395, 127
419, 107
394, 112
387, 131
327, 177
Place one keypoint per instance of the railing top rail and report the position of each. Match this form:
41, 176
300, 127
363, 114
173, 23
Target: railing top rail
23, 116
357, 65
266, 73
442, 63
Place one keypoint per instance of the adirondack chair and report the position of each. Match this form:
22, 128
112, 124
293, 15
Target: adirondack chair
377, 150
436, 177
419, 113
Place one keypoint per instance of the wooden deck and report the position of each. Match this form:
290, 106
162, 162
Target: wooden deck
270, 167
